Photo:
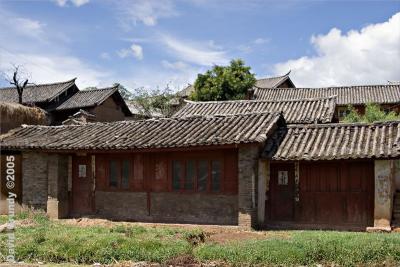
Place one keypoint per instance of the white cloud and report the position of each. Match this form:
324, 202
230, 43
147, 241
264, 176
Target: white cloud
42, 55
105, 55
261, 41
147, 12
367, 56
196, 53
77, 3
135, 50
178, 65
53, 68
13, 25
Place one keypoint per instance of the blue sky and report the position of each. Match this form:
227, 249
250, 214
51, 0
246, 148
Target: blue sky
155, 43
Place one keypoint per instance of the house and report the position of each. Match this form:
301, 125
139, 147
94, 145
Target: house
44, 96
105, 104
338, 174
251, 169
388, 96
310, 110
283, 81
197, 169
63, 99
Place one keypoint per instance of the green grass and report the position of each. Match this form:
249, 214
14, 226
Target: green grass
55, 242
308, 248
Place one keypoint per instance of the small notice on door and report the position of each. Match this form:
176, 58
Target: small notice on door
82, 171
283, 177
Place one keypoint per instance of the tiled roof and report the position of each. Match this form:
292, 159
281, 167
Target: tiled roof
88, 98
152, 133
272, 82
294, 111
36, 93
345, 95
335, 141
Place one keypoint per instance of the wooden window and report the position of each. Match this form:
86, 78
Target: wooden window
119, 173
202, 171
216, 175
190, 175
197, 175
126, 169
176, 174
113, 175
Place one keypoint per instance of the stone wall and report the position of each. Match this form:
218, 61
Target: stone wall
168, 207
384, 189
34, 180
57, 202
248, 170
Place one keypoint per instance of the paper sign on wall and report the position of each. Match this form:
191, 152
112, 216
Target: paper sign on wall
283, 177
82, 170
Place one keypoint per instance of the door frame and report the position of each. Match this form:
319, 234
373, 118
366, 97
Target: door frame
76, 159
272, 194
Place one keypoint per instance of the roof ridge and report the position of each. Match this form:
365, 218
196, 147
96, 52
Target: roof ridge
276, 77
157, 119
333, 87
343, 124
41, 84
100, 89
261, 100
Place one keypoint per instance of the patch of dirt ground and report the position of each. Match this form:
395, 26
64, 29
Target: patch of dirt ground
213, 233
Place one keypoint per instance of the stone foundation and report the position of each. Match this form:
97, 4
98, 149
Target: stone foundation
168, 207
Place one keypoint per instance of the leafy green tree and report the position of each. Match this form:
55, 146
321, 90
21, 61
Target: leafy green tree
373, 113
224, 82
150, 102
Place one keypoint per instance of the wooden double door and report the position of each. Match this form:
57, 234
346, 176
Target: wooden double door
329, 193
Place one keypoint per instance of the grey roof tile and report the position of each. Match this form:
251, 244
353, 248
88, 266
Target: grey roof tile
36, 93
294, 111
335, 141
382, 94
152, 133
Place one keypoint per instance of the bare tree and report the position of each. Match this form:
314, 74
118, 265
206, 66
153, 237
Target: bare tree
19, 83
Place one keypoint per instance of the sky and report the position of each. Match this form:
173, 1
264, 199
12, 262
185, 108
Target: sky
159, 43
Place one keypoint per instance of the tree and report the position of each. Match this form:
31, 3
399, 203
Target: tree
224, 82
19, 83
125, 93
157, 101
373, 113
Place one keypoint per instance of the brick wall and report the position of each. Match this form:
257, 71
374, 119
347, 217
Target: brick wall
168, 207
248, 169
34, 179
122, 205
195, 208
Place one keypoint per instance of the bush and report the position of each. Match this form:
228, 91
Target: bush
373, 113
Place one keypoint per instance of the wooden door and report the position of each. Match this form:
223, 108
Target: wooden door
337, 193
282, 192
82, 186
